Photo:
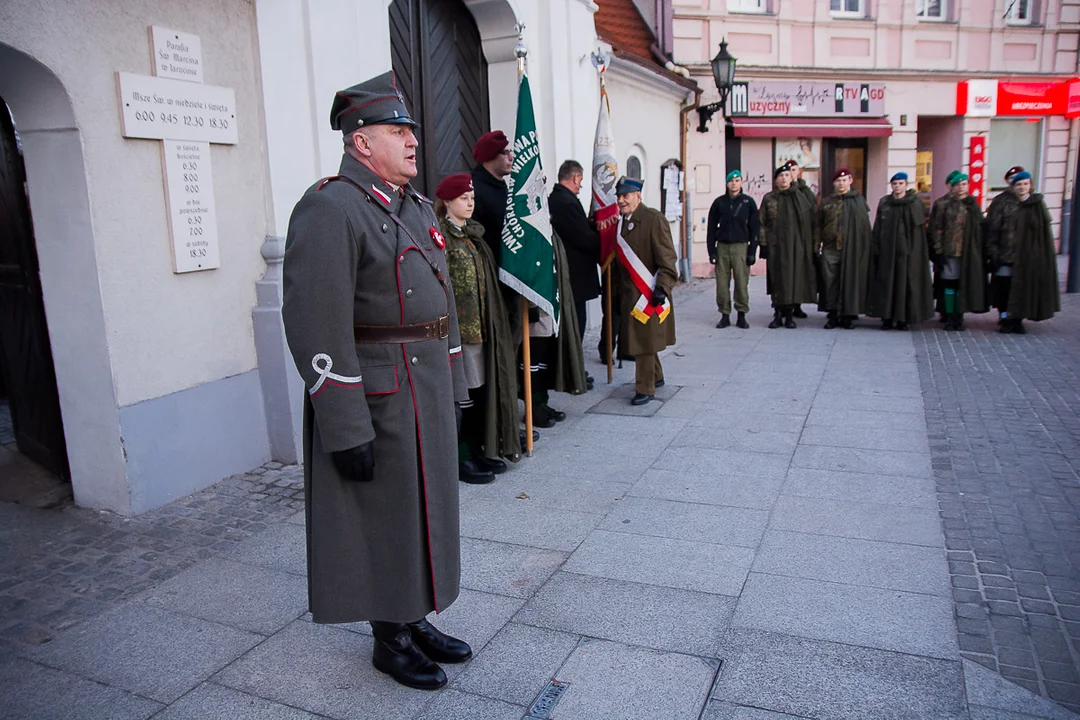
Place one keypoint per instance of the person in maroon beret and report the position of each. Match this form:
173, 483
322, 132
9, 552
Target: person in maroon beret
494, 159
842, 236
489, 417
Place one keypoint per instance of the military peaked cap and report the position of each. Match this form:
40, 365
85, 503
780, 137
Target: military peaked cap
372, 102
628, 185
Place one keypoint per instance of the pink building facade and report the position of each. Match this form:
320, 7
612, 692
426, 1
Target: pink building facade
880, 86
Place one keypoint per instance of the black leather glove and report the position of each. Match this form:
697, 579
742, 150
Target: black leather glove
457, 417
712, 260
534, 315
751, 257
357, 464
763, 252
658, 295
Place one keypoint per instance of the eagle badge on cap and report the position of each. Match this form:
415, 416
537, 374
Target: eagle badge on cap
438, 238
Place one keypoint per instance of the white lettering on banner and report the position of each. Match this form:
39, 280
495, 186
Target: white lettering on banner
156, 108
176, 55
189, 196
814, 99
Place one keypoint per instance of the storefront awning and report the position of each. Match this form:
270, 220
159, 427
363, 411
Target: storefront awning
811, 127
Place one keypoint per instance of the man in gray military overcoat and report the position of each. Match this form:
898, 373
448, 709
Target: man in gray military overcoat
371, 323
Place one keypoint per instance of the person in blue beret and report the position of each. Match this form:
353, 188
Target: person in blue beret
1026, 281
731, 239
901, 293
956, 231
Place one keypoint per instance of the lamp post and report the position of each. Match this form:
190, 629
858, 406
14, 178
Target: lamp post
723, 72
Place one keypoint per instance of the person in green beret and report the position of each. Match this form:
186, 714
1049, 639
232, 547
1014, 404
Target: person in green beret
1026, 260
900, 288
956, 232
732, 242
935, 209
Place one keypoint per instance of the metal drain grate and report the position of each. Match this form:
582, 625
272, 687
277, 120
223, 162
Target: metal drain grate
549, 697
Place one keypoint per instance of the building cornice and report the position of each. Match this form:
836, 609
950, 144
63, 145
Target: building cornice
622, 68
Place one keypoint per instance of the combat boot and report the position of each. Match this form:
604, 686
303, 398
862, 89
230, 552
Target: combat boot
395, 654
776, 321
725, 321
741, 321
789, 321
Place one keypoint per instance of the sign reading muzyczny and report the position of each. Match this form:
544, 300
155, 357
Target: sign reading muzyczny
811, 99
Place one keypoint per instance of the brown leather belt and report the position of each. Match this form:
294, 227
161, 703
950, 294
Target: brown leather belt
416, 332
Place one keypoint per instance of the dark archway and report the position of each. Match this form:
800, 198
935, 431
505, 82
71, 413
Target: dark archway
26, 363
441, 70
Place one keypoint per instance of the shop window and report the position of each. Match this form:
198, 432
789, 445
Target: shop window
931, 9
748, 6
848, 8
1020, 12
633, 167
1012, 142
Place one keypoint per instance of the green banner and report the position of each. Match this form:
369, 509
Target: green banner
527, 260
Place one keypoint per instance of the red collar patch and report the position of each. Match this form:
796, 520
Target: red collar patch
438, 238
382, 196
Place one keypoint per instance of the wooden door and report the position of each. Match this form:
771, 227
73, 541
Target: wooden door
441, 71
843, 153
25, 355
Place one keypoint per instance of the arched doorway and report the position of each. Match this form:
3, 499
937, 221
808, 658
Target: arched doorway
441, 70
26, 363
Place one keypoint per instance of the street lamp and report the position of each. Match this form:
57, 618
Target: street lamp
723, 72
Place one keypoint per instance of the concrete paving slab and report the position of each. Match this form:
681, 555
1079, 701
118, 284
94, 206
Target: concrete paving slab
648, 615
453, 705
625, 391
700, 566
622, 426
883, 462
147, 650
685, 408
814, 679
279, 547
587, 441
870, 438
242, 596
32, 691
581, 493
517, 664
889, 566
717, 710
731, 403
856, 401
531, 525
994, 694
884, 419
861, 487
715, 418
210, 701
504, 569
700, 486
551, 456
739, 527
867, 521
737, 438
719, 462
476, 617
612, 680
869, 617
871, 385
618, 406
324, 670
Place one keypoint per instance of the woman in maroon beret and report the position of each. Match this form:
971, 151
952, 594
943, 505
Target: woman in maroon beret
488, 420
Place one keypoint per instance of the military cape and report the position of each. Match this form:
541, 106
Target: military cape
947, 212
900, 285
1028, 242
786, 230
852, 215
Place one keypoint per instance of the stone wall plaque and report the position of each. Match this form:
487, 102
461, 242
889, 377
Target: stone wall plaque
177, 55
189, 197
157, 108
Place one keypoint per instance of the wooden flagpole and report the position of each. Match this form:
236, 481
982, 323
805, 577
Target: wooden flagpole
608, 322
526, 360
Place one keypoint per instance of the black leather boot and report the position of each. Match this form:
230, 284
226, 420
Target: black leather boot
886, 324
776, 321
789, 321
847, 322
397, 655
798, 312
831, 321
493, 465
725, 321
437, 645
741, 322
472, 472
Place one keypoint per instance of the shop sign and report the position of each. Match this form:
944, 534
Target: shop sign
1072, 100
977, 168
794, 99
977, 98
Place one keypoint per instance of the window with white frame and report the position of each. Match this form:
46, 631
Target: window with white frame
1020, 12
748, 6
848, 8
931, 9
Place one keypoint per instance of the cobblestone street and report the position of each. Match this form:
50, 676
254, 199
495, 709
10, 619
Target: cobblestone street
810, 524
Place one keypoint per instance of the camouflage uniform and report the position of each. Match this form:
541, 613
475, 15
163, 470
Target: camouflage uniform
467, 277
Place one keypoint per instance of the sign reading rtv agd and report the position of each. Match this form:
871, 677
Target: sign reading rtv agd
189, 194
819, 99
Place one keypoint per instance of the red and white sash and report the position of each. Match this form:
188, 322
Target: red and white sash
644, 281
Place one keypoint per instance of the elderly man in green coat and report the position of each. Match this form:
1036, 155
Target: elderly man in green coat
900, 288
371, 323
842, 236
956, 225
1025, 248
647, 274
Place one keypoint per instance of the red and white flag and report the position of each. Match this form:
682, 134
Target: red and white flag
605, 171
